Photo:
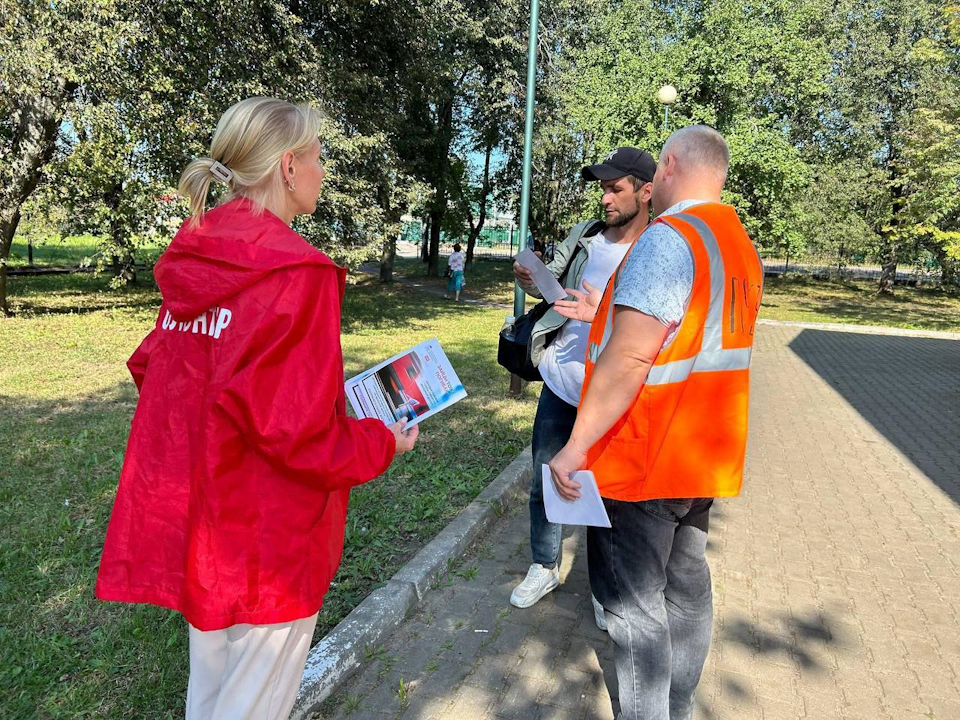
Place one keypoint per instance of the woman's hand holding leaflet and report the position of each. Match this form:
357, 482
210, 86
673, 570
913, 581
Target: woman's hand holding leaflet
405, 439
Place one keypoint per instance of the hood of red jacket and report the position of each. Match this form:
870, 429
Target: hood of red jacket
230, 250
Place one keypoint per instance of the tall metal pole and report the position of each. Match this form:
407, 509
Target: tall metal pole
518, 294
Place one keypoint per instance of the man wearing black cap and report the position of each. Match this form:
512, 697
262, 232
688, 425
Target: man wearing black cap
589, 256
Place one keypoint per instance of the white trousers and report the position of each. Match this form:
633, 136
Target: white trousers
247, 672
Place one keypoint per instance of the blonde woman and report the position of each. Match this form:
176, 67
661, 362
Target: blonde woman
241, 457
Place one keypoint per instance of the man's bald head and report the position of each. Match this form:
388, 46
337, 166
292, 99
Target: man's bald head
699, 149
693, 166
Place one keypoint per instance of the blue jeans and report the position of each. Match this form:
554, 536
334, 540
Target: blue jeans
649, 571
551, 430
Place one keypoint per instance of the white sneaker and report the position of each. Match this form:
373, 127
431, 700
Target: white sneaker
598, 616
538, 582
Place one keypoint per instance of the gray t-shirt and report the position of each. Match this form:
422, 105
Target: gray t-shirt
657, 277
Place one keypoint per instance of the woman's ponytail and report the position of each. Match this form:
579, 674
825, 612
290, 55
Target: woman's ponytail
195, 186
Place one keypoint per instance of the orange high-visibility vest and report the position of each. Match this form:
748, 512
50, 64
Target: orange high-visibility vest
686, 433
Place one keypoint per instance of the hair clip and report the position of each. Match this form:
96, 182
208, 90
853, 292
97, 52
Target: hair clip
221, 172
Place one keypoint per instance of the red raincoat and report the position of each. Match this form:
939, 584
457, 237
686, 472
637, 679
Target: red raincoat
234, 488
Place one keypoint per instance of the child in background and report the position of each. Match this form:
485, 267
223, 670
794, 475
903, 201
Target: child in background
455, 262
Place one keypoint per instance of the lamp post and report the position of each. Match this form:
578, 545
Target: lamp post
667, 95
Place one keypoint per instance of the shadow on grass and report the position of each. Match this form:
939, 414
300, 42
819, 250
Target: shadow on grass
486, 280
79, 293
371, 306
907, 388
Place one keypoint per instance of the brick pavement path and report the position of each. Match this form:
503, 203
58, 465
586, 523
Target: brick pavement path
837, 591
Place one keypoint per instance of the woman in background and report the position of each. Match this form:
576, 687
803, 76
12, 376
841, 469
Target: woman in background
238, 469
455, 263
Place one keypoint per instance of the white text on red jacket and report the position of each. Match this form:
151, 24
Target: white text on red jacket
211, 323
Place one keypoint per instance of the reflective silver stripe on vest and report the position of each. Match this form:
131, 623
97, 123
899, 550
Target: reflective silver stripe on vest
712, 356
594, 350
705, 361
713, 329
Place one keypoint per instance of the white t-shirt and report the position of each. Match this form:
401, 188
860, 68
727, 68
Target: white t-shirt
456, 261
562, 364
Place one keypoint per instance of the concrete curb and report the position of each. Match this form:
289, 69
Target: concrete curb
333, 659
864, 329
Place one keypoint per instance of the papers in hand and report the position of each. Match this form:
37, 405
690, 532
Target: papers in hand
415, 384
546, 283
585, 510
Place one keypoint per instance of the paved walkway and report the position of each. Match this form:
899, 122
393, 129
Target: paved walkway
836, 580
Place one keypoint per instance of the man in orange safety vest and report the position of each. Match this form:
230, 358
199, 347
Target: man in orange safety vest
662, 422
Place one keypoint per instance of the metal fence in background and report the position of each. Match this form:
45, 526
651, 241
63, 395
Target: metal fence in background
502, 243
494, 243
828, 268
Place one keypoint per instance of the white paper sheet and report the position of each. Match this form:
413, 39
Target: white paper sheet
546, 283
585, 510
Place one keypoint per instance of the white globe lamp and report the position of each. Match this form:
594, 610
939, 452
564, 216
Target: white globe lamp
667, 95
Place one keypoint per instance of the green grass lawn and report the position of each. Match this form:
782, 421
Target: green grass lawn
70, 251
856, 302
65, 407
490, 280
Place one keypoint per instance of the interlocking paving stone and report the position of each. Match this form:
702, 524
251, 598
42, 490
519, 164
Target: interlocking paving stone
836, 573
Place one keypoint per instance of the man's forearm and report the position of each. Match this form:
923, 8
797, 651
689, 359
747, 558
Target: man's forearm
618, 376
616, 382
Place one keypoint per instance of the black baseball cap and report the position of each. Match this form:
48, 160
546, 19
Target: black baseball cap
620, 163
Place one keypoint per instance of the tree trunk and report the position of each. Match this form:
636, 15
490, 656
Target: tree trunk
425, 244
36, 121
472, 242
433, 268
123, 261
949, 278
388, 255
387, 259
7, 228
888, 270
891, 233
475, 230
440, 181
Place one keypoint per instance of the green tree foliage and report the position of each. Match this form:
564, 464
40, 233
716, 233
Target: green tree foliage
45, 58
128, 92
894, 65
842, 116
